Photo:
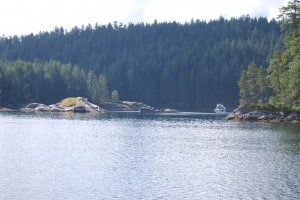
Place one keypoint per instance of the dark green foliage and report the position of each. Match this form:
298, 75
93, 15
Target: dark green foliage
254, 88
115, 96
192, 65
48, 82
283, 71
287, 84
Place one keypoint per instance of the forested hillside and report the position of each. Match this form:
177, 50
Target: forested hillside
277, 86
193, 65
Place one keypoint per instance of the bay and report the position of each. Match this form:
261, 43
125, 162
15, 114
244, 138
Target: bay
134, 156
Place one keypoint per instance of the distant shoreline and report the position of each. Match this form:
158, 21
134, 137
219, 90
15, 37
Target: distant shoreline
248, 114
239, 114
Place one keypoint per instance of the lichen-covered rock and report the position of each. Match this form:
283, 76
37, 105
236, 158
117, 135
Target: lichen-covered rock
71, 104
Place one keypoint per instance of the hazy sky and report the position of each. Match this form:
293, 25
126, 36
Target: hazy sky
18, 17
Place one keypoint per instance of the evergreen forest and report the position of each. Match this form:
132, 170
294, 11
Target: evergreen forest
185, 66
277, 86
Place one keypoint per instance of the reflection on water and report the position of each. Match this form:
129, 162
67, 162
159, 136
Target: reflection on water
133, 156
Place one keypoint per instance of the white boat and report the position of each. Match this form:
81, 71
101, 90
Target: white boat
220, 108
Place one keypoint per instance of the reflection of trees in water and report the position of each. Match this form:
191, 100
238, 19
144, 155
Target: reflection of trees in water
289, 134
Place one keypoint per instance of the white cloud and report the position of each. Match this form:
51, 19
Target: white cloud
168, 10
23, 17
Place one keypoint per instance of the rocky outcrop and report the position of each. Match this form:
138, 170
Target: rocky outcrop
115, 106
35, 107
124, 106
169, 110
6, 110
74, 104
147, 110
152, 110
82, 105
133, 106
247, 114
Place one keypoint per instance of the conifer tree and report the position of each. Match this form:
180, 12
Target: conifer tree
284, 66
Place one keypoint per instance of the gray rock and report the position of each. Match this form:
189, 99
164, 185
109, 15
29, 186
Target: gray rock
124, 106
35, 107
169, 110
254, 115
147, 110
293, 116
115, 106
81, 107
262, 115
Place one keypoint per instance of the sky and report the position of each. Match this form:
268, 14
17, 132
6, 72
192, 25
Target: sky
22, 17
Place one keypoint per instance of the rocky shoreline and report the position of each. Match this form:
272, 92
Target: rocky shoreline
248, 114
78, 105
82, 105
123, 106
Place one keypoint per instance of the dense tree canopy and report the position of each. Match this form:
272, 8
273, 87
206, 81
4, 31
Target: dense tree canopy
254, 89
283, 78
193, 65
48, 82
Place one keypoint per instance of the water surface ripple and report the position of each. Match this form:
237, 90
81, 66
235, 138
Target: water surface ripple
133, 156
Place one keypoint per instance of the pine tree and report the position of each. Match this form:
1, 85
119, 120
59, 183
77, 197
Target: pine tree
284, 66
115, 96
103, 88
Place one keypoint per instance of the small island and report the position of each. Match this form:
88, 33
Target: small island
70, 104
82, 105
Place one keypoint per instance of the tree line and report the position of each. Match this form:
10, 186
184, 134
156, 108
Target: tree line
193, 65
278, 85
48, 82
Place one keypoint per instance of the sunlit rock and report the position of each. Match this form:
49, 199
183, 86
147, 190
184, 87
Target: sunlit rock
71, 104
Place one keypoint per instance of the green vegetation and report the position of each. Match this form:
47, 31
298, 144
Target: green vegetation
48, 82
279, 86
254, 89
115, 96
193, 65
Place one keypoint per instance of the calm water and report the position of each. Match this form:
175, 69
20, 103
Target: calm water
133, 156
